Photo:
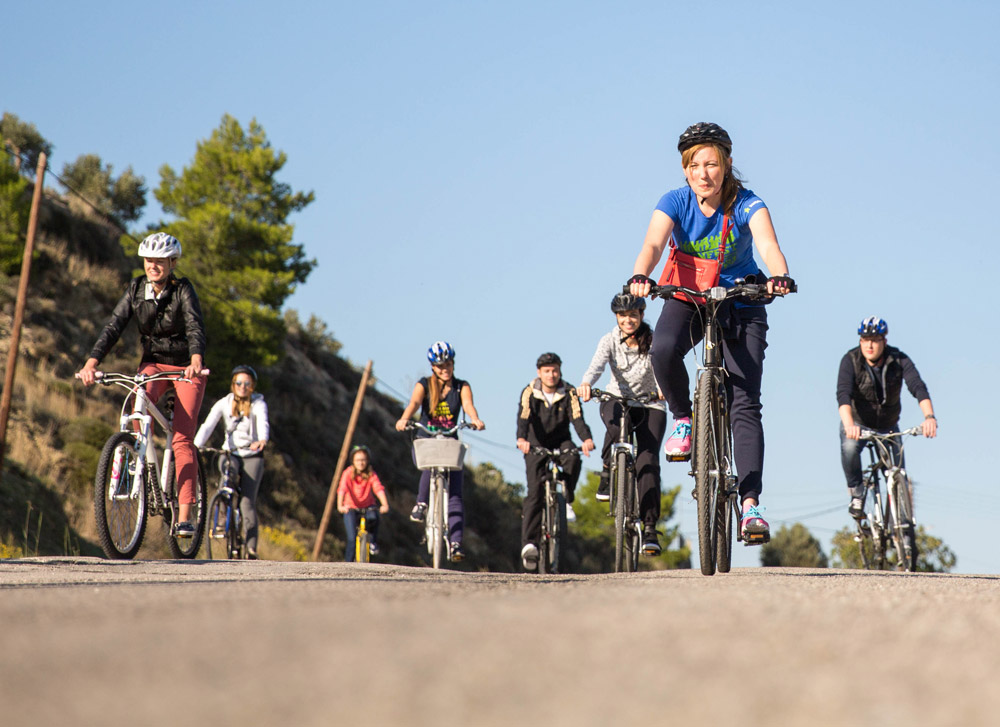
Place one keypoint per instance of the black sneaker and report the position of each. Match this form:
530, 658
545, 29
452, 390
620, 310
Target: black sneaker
184, 530
604, 489
419, 512
650, 541
856, 508
457, 553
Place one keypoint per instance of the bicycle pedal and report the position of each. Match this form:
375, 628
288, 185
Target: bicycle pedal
678, 457
756, 539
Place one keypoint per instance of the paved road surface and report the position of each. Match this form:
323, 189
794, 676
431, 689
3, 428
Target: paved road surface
93, 642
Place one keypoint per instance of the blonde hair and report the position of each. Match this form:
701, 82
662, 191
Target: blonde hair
241, 406
732, 183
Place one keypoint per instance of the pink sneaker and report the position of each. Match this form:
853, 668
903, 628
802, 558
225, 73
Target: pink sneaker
678, 444
754, 528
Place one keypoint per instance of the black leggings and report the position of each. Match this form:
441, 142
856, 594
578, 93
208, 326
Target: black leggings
649, 426
744, 338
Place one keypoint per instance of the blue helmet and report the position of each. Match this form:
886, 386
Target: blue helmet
440, 352
873, 326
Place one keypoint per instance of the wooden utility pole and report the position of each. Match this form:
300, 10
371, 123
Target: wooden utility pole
331, 498
22, 297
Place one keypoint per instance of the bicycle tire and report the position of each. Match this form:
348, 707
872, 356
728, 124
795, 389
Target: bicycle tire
437, 534
557, 559
545, 539
619, 483
903, 537
633, 529
187, 548
866, 547
361, 542
706, 485
878, 531
218, 512
121, 523
726, 514
234, 532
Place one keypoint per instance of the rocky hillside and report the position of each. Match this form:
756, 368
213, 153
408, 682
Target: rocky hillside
57, 428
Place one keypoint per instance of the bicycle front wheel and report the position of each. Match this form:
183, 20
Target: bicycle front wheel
437, 535
545, 541
218, 521
361, 543
904, 537
724, 533
557, 558
187, 548
620, 488
120, 514
707, 468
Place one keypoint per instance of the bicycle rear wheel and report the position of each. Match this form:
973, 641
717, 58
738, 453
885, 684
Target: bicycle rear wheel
633, 528
866, 547
726, 514
619, 488
187, 548
234, 533
121, 518
706, 468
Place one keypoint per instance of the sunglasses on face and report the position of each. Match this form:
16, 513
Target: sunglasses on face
243, 384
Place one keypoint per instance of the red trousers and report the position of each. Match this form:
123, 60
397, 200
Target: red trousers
186, 410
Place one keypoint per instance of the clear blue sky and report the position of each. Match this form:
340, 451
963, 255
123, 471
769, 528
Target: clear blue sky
484, 173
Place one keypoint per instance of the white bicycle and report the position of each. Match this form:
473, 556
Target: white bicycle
440, 454
133, 481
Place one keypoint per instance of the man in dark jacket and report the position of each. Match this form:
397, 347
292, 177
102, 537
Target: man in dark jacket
544, 413
868, 395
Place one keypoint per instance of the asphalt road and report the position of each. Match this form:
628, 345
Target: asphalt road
93, 642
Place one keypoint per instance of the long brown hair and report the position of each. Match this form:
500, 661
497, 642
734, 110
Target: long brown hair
732, 183
434, 388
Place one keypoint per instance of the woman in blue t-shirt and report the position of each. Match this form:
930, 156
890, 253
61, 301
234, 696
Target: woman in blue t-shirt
441, 398
713, 205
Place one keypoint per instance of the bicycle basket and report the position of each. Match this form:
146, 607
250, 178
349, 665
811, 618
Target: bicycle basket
446, 454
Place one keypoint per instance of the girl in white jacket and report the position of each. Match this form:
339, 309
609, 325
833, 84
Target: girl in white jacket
247, 431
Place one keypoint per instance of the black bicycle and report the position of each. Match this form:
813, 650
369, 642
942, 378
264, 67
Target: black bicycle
553, 539
712, 437
889, 519
624, 486
225, 520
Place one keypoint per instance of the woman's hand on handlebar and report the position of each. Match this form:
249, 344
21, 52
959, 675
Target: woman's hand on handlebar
639, 285
477, 424
780, 285
584, 391
194, 368
88, 374
401, 425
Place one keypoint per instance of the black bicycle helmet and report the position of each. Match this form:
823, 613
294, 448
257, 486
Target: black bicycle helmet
548, 359
244, 369
705, 133
626, 301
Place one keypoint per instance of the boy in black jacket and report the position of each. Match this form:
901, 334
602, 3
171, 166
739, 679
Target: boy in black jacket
546, 408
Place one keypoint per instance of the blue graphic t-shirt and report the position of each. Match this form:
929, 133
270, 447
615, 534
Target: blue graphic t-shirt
698, 235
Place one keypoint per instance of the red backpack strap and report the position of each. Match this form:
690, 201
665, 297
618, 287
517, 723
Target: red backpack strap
726, 229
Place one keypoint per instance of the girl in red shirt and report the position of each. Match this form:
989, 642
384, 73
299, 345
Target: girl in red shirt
359, 491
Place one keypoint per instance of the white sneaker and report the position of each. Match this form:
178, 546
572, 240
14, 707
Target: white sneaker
570, 515
529, 557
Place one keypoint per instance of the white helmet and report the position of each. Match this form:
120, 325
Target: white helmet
160, 244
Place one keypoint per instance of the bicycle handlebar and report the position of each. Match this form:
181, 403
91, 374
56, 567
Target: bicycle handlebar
434, 432
111, 377
872, 435
718, 293
545, 452
640, 400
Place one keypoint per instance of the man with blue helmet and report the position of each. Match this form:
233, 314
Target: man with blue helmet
868, 396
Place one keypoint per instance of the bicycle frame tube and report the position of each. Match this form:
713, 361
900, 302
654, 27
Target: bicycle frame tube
144, 413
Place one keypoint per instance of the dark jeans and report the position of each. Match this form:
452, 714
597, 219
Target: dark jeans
456, 511
535, 464
649, 426
352, 519
744, 338
850, 459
